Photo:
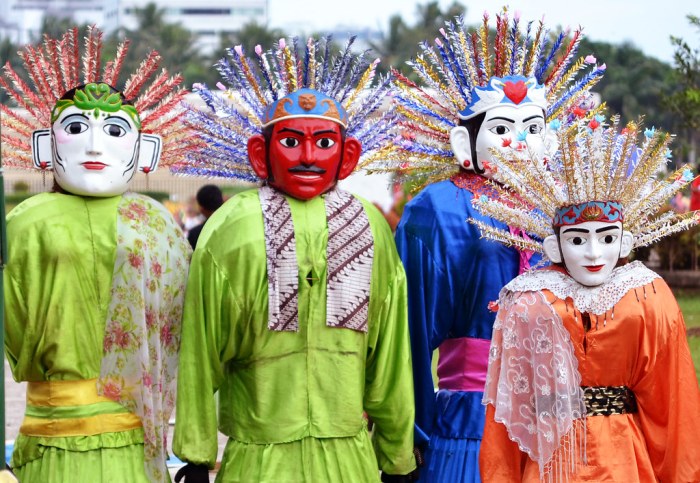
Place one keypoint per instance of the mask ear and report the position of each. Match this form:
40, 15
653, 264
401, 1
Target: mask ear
41, 149
149, 152
462, 147
551, 248
626, 244
352, 148
257, 153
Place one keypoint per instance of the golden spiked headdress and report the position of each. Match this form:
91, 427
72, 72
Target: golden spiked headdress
57, 66
602, 174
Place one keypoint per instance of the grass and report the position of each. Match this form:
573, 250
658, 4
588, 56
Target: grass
689, 301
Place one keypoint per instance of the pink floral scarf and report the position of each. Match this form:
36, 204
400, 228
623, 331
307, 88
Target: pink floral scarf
142, 335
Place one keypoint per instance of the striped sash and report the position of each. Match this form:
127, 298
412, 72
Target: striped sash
349, 254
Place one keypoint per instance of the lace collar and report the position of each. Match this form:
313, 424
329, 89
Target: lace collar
594, 300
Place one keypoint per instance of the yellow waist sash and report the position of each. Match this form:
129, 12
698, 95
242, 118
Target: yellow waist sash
73, 408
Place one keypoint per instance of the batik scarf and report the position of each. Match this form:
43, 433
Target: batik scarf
349, 255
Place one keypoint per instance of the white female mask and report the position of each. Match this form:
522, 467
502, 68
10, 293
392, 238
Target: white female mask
95, 143
514, 118
589, 250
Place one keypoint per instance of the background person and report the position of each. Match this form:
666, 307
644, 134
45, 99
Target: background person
209, 199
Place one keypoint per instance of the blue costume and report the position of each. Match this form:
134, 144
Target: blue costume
452, 277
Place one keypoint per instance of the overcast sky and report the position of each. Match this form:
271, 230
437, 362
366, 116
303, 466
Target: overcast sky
647, 24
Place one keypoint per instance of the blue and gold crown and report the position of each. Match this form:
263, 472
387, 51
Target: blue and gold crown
284, 83
305, 103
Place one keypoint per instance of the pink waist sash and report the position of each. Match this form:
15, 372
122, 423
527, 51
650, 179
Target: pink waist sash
462, 364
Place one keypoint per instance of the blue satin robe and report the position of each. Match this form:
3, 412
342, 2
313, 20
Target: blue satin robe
452, 275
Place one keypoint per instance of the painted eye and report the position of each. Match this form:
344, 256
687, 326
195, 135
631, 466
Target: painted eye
534, 129
289, 142
500, 130
114, 130
76, 127
577, 240
608, 239
325, 143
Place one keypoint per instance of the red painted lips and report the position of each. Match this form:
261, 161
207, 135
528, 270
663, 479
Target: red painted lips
94, 165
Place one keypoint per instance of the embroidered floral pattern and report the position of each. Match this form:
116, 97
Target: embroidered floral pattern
533, 380
142, 334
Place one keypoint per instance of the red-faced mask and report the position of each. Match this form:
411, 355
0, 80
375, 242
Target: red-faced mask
307, 156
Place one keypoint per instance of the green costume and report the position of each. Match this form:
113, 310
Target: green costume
60, 308
291, 402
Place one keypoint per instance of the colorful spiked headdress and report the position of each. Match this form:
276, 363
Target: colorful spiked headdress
282, 83
603, 174
58, 66
464, 73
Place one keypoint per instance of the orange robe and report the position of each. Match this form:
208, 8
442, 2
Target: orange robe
643, 347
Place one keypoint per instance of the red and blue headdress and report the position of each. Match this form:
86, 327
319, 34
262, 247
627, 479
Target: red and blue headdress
465, 72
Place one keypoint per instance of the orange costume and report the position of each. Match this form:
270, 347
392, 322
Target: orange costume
638, 341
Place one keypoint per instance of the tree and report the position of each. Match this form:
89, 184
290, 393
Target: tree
8, 54
400, 43
56, 26
685, 102
250, 35
634, 84
175, 44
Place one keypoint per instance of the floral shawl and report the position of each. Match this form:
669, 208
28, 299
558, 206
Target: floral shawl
142, 333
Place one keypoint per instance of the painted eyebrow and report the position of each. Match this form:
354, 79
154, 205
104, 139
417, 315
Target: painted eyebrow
536, 116
295, 131
325, 131
501, 118
120, 119
577, 230
81, 115
606, 228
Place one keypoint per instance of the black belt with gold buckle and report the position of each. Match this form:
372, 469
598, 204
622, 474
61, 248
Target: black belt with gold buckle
609, 400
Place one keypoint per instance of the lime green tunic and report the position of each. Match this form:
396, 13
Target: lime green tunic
62, 251
291, 402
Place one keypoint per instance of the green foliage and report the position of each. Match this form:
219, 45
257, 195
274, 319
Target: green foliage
634, 84
694, 343
174, 43
680, 250
689, 302
684, 102
20, 186
400, 41
8, 54
159, 196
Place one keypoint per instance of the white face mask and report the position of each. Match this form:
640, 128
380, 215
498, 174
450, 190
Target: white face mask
510, 126
590, 250
95, 153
